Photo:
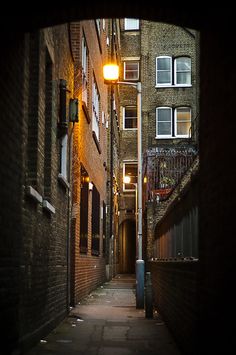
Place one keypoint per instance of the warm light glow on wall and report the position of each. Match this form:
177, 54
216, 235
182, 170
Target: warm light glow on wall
127, 179
111, 72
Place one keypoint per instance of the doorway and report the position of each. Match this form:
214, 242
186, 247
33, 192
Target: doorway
127, 246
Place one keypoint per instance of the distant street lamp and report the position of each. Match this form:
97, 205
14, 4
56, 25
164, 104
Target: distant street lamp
111, 76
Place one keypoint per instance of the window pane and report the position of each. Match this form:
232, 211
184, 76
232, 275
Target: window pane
131, 24
183, 78
163, 77
183, 129
164, 114
163, 64
164, 128
164, 71
183, 71
131, 170
164, 121
183, 114
130, 120
131, 65
131, 70
183, 121
183, 64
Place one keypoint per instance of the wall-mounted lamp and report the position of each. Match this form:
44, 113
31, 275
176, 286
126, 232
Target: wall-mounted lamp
90, 186
110, 73
73, 110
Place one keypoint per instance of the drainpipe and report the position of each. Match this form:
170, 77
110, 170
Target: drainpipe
111, 155
69, 207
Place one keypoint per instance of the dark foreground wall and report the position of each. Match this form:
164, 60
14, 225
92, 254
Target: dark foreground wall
34, 236
175, 296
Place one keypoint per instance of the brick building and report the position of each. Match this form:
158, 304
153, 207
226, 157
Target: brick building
164, 58
89, 205
35, 181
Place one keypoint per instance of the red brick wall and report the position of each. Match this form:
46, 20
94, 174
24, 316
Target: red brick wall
88, 271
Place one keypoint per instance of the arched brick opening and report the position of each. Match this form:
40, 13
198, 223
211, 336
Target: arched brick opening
217, 129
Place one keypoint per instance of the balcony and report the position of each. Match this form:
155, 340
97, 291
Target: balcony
164, 168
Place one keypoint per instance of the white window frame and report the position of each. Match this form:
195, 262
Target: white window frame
84, 59
125, 70
167, 83
163, 136
131, 24
187, 71
129, 129
95, 109
129, 162
175, 126
98, 24
64, 143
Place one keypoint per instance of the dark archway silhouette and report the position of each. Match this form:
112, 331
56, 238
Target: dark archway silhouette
216, 298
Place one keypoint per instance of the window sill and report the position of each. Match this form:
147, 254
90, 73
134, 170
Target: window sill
31, 192
132, 80
97, 143
172, 86
63, 181
130, 129
85, 109
48, 207
175, 137
131, 30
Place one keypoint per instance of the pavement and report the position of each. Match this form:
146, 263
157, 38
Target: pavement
107, 322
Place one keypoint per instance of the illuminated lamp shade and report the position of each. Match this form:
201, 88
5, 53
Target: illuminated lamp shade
111, 72
127, 179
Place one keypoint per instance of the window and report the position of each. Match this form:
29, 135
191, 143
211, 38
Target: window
63, 167
131, 24
130, 169
164, 122
48, 126
182, 121
96, 104
95, 221
131, 70
130, 117
84, 71
173, 123
98, 25
104, 228
165, 70
183, 71
84, 210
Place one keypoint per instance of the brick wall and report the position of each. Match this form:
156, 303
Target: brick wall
174, 287
159, 39
11, 179
88, 271
36, 238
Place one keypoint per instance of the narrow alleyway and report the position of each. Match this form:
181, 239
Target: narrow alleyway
108, 323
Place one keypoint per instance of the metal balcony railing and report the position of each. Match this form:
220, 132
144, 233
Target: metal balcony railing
163, 169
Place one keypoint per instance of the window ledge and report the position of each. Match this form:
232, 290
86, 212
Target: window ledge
172, 86
47, 206
85, 109
31, 192
130, 129
97, 142
63, 181
175, 137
